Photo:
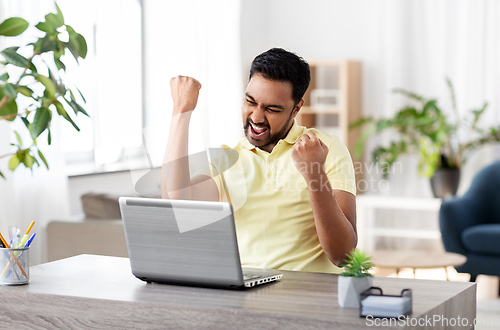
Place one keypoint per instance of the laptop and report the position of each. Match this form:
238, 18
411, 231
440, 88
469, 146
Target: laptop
186, 243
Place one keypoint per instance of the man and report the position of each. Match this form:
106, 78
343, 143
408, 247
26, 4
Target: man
294, 186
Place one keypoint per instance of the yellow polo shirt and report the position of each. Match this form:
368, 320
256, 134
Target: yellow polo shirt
273, 214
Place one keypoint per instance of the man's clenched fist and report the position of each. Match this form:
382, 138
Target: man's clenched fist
309, 155
185, 91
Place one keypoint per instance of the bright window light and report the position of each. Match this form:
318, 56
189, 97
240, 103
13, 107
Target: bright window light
109, 78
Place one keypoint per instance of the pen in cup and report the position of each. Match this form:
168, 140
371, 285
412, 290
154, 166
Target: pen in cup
13, 256
28, 243
25, 237
14, 236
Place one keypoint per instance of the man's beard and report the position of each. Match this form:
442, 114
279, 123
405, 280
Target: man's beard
272, 137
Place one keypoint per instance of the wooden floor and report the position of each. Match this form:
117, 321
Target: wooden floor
488, 301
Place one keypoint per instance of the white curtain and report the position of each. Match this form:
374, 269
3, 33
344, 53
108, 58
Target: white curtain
40, 196
423, 42
197, 38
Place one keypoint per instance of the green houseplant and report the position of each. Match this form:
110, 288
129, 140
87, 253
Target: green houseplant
32, 89
443, 142
355, 279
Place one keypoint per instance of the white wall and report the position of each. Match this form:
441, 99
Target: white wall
408, 44
320, 29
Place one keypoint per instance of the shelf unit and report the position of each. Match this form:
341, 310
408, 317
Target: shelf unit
343, 77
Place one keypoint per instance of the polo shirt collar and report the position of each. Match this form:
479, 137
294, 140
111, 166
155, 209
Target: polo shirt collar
294, 133
292, 136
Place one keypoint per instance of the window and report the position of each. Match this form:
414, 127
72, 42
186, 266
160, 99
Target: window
110, 78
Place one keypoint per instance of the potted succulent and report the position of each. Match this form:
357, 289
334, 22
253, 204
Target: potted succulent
355, 279
34, 87
443, 142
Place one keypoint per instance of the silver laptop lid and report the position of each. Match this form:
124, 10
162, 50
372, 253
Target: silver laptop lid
181, 241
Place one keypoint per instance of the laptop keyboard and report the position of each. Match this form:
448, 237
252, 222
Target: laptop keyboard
247, 277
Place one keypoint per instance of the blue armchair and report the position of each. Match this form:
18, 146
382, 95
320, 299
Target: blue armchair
470, 225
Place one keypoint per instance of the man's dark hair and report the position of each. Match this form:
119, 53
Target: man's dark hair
282, 65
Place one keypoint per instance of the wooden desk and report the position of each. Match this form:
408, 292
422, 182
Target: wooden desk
89, 291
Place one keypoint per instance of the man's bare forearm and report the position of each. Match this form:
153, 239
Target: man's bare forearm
175, 178
175, 170
336, 233
335, 219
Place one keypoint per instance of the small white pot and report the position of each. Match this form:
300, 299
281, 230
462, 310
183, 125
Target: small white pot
350, 289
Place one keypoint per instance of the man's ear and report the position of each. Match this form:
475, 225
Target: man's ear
297, 108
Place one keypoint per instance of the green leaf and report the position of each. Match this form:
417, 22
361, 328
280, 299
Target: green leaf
477, 115
383, 124
47, 44
45, 27
54, 20
25, 90
82, 46
49, 137
452, 94
81, 95
60, 65
42, 157
10, 90
361, 122
408, 94
357, 264
59, 14
14, 162
49, 86
40, 123
61, 111
1, 174
77, 44
60, 50
18, 137
4, 77
26, 122
77, 108
13, 26
60, 88
12, 57
72, 46
9, 108
28, 160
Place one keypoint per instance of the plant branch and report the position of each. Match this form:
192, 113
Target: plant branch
453, 99
6, 155
50, 102
25, 69
14, 115
5, 99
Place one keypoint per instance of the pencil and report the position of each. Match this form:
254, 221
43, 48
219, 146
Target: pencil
29, 228
13, 256
25, 237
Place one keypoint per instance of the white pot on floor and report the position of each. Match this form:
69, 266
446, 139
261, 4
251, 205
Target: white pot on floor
350, 289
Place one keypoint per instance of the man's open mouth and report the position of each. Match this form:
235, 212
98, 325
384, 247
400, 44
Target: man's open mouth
257, 131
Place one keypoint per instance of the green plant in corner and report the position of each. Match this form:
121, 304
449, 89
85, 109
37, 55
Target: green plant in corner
40, 71
424, 128
357, 264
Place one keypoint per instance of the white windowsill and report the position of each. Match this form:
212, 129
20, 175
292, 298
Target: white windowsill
90, 168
